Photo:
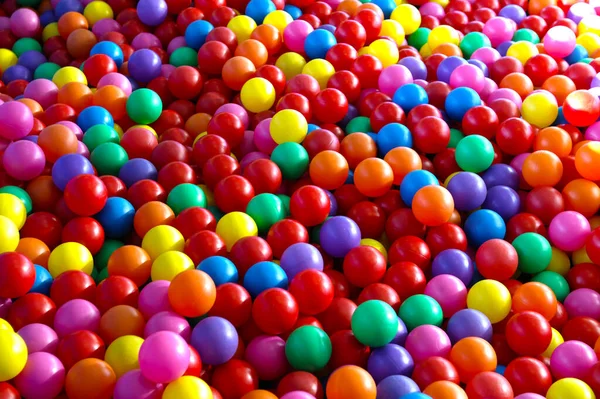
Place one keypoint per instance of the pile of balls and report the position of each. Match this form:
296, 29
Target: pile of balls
301, 199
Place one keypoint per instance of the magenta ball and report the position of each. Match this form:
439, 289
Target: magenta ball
449, 291
508, 94
166, 70
168, 321
104, 26
116, 79
247, 145
569, 230
16, 120
76, 315
251, 157
176, 43
82, 149
559, 41
487, 55
24, 160
529, 395
297, 395
236, 110
267, 355
145, 40
39, 338
572, 359
164, 357
262, 137
74, 128
133, 385
24, 22
489, 86
433, 9
154, 298
468, 76
593, 132
42, 378
43, 91
295, 34
583, 302
426, 341
392, 77
499, 29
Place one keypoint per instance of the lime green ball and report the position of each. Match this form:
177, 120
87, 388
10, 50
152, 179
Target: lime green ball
474, 153
292, 160
266, 210
46, 71
184, 196
374, 323
526, 35
101, 258
108, 158
20, 194
100, 134
308, 348
534, 252
285, 203
360, 124
419, 310
473, 41
184, 56
144, 106
557, 283
419, 38
26, 44
455, 137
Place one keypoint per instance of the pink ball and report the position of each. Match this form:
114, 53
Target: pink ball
468, 75
295, 34
105, 26
593, 132
133, 385
508, 94
4, 23
116, 79
16, 120
529, 396
145, 40
297, 395
392, 77
569, 230
489, 86
498, 30
517, 162
42, 378
24, 160
237, 110
247, 145
168, 321
267, 355
176, 43
43, 91
251, 157
39, 338
24, 22
559, 41
154, 298
166, 70
76, 315
262, 137
487, 55
426, 341
572, 359
433, 9
583, 302
82, 149
449, 291
74, 128
164, 357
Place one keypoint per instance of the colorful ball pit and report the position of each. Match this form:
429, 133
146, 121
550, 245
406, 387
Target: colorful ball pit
262, 199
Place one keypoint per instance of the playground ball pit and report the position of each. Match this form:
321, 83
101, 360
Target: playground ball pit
270, 199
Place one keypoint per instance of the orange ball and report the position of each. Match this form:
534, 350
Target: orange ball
237, 71
80, 43
357, 147
113, 99
35, 107
259, 394
560, 86
351, 382
587, 161
350, 7
433, 205
35, 250
44, 194
70, 22
403, 160
132, 262
578, 145
90, 379
56, 141
328, 170
597, 347
254, 50
192, 293
373, 177
536, 6
448, 49
445, 390
583, 196
555, 140
269, 36
519, 82
197, 123
542, 168
119, 321
152, 214
76, 95
471, 356
536, 297
372, 7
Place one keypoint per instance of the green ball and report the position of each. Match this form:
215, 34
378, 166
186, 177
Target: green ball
374, 323
526, 35
419, 310
474, 153
184, 196
184, 56
29, 3
586, 60
101, 258
216, 212
292, 160
285, 203
101, 275
534, 252
308, 348
419, 38
46, 71
100, 134
108, 158
26, 44
144, 106
360, 124
20, 194
266, 210
455, 137
557, 283
473, 41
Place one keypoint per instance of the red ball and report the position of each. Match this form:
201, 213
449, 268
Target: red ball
524, 223
17, 275
367, 69
144, 191
219, 167
80, 345
369, 217
540, 67
297, 102
584, 329
31, 308
86, 231
434, 369
233, 303
380, 292
545, 203
274, 75
341, 56
72, 284
209, 146
515, 136
364, 265
330, 106
528, 333
347, 196
338, 316
496, 259
185, 82
313, 291
116, 290
139, 143
347, 350
7, 391
234, 379
346, 82
310, 205
386, 113
352, 33
233, 193
284, 234
389, 201
194, 219
300, 381
504, 66
275, 311
406, 278
305, 85
371, 21
341, 286
526, 374
114, 186
204, 244
43, 226
169, 151
175, 173
212, 56
97, 66
410, 249
480, 120
592, 246
431, 135
248, 251
195, 367
489, 384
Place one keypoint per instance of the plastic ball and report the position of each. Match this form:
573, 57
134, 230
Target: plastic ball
491, 298
16, 355
351, 382
168, 364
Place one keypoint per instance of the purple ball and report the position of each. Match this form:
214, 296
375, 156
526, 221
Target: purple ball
468, 191
469, 323
583, 302
68, 166
388, 360
447, 66
164, 357
501, 175
144, 65
529, 396
39, 338
104, 26
76, 315
133, 385
176, 43
396, 386
43, 91
299, 257
236, 110
339, 235
514, 12
31, 59
145, 40
168, 321
42, 378
453, 262
251, 157
137, 169
416, 67
17, 72
24, 22
24, 160
503, 200
333, 206
152, 12
267, 355
16, 120
401, 335
215, 339
351, 114
572, 359
427, 341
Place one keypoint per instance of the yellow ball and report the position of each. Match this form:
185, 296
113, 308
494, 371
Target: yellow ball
7, 59
425, 50
9, 235
522, 51
288, 125
589, 23
5, 325
118, 129
169, 264
242, 26
210, 197
279, 19
559, 263
540, 109
386, 51
67, 75
257, 95
97, 10
234, 226
161, 239
364, 51
122, 354
580, 256
556, 340
49, 31
394, 30
589, 41
14, 355
187, 387
491, 298
375, 244
570, 388
70, 256
441, 35
198, 137
291, 64
408, 16
13, 208
319, 69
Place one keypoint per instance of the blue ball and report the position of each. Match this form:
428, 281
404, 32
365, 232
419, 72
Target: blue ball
503, 200
328, 27
560, 118
43, 281
409, 96
196, 32
503, 47
47, 17
67, 167
312, 127
391, 136
577, 55
220, 269
484, 225
373, 135
294, 11
318, 42
110, 49
116, 217
387, 6
137, 169
17, 72
500, 369
350, 178
32, 59
264, 275
413, 182
94, 115
259, 9
459, 101
416, 395
65, 6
